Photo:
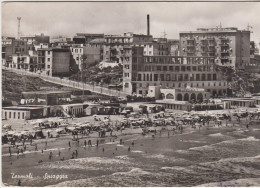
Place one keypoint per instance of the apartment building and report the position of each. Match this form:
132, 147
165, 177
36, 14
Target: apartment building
36, 39
54, 61
141, 71
230, 46
77, 51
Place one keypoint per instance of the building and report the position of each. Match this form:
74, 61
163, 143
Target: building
242, 102
22, 112
230, 46
36, 39
184, 99
171, 72
74, 109
77, 51
46, 97
254, 66
54, 61
89, 37
20, 62
174, 47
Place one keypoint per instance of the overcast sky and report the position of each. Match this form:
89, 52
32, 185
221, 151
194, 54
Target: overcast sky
116, 18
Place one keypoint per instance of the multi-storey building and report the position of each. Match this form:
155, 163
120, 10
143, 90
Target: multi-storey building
77, 51
141, 71
174, 47
230, 46
88, 37
36, 39
54, 61
115, 45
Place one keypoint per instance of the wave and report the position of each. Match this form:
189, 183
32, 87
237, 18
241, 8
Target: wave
133, 172
251, 138
91, 163
216, 134
137, 151
247, 182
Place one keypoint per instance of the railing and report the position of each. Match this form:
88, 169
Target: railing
71, 83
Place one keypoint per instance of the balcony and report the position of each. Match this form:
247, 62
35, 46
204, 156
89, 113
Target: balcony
224, 57
224, 44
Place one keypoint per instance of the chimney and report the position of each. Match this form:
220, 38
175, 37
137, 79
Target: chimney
148, 24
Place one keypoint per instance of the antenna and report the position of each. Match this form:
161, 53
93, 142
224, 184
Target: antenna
164, 34
19, 32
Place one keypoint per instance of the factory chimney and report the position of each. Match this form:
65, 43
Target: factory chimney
148, 24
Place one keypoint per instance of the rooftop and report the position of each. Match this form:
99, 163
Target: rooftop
22, 108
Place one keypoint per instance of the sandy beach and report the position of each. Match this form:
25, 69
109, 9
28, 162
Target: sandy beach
195, 157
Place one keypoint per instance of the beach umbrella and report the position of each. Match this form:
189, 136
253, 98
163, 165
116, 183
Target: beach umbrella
7, 126
11, 132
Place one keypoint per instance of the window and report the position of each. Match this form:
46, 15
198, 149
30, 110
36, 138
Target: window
5, 115
49, 52
140, 92
155, 77
219, 83
49, 59
159, 68
10, 114
49, 66
165, 68
171, 68
23, 115
18, 115
14, 115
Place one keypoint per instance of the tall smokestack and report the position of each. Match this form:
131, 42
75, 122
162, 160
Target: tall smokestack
148, 24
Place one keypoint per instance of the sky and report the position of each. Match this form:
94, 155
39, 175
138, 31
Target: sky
69, 18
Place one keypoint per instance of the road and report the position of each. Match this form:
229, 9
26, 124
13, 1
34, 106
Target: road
70, 83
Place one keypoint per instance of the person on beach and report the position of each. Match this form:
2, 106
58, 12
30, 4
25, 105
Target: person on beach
85, 143
97, 142
247, 126
129, 148
133, 143
10, 152
25, 148
72, 156
69, 144
50, 156
59, 153
21, 151
46, 144
31, 141
168, 133
36, 149
121, 141
78, 142
103, 149
42, 150
19, 183
89, 143
76, 152
23, 141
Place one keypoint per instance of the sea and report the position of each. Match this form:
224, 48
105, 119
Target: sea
226, 156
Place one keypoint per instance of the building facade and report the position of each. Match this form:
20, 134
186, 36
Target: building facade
54, 61
230, 46
171, 72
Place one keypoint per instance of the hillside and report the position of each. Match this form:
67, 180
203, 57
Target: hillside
241, 82
14, 84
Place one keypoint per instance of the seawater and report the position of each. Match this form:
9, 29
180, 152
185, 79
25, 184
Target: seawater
205, 157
